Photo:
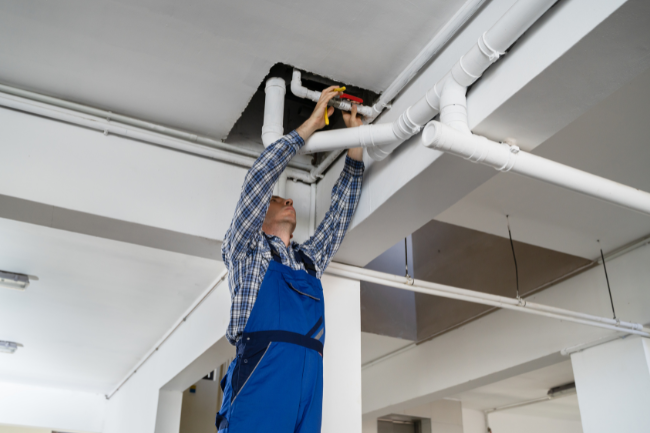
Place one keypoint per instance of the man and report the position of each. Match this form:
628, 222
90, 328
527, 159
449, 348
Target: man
275, 384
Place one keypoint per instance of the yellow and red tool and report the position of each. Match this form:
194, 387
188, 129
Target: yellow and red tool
342, 96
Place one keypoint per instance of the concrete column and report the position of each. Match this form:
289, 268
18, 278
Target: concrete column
342, 366
613, 384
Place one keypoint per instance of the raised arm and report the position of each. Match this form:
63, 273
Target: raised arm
327, 238
246, 226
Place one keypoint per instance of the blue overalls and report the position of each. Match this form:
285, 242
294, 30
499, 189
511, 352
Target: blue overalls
275, 384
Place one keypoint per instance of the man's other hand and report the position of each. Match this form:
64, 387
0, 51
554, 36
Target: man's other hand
353, 120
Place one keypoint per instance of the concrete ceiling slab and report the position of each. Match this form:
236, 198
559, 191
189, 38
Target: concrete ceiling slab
195, 65
99, 306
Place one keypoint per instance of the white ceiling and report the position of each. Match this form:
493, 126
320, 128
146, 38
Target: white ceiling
99, 306
525, 387
611, 140
196, 64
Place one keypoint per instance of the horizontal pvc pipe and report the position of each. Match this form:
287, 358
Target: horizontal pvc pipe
362, 136
103, 114
506, 158
302, 92
468, 69
115, 128
481, 298
495, 298
273, 129
519, 18
466, 11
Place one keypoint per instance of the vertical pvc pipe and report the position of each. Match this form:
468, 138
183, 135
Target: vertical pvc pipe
273, 127
312, 210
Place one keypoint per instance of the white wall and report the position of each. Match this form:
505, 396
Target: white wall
504, 422
445, 415
168, 417
51, 408
200, 408
473, 421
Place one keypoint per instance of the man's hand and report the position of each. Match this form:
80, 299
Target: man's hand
353, 120
317, 119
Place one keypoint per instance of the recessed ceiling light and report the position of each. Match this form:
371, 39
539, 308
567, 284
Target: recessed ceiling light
11, 280
9, 346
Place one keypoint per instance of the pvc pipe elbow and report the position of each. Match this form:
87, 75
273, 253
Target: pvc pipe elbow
301, 91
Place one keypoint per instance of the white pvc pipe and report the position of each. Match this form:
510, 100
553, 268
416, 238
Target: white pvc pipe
453, 106
302, 92
108, 127
484, 298
339, 139
466, 11
110, 116
281, 185
312, 209
467, 70
273, 128
510, 158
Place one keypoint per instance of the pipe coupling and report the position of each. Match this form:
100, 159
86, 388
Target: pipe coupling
511, 157
275, 82
404, 128
489, 52
462, 75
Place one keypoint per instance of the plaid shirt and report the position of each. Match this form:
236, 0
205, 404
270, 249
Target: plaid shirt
246, 249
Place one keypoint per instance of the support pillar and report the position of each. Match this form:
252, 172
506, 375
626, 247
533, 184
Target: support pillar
342, 357
613, 384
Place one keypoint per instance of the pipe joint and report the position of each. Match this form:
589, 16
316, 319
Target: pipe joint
275, 82
404, 128
462, 75
489, 52
513, 151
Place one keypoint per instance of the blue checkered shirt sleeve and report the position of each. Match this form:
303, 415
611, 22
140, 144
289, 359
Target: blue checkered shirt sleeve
327, 238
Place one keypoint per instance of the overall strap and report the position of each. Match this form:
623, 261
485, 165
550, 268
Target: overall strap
308, 263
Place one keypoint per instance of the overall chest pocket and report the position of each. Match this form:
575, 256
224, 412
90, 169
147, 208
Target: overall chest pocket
292, 287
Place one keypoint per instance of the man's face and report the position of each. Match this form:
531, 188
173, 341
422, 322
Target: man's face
280, 212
